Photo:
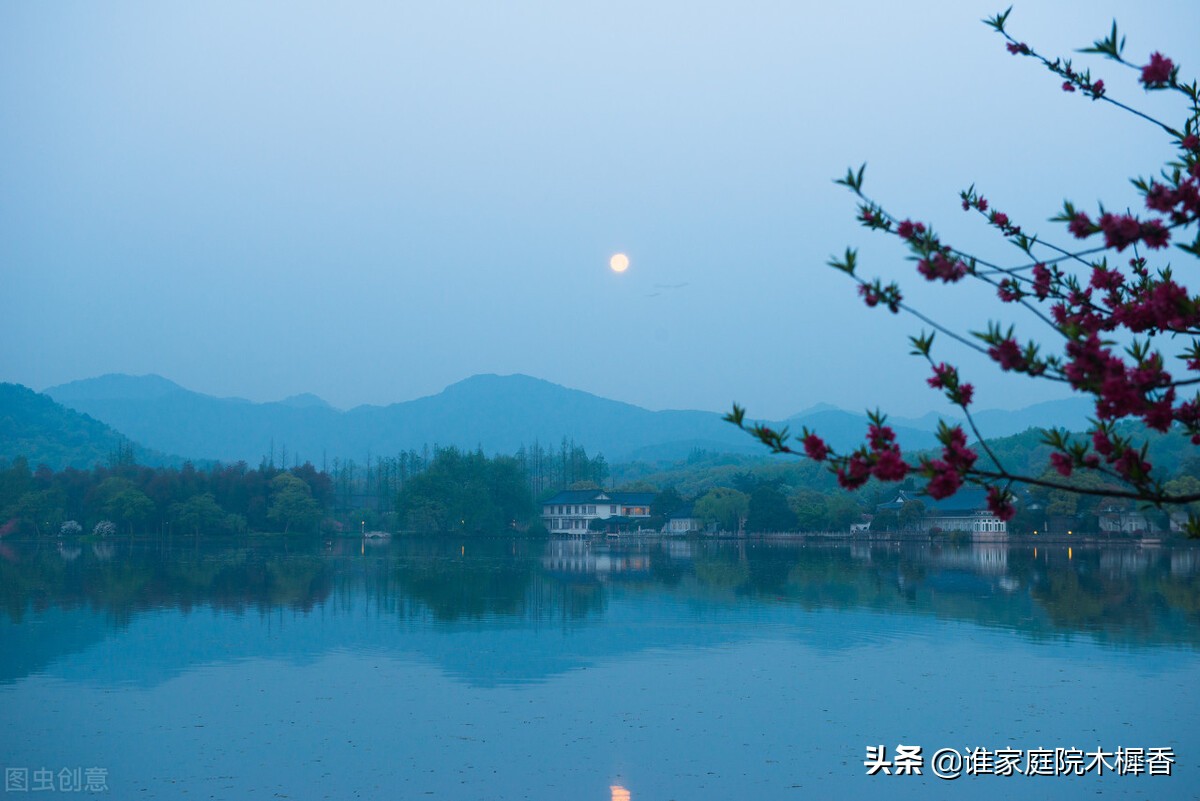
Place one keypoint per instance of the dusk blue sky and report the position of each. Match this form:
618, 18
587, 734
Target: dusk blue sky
372, 201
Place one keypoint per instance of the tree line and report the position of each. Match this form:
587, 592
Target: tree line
434, 488
123, 497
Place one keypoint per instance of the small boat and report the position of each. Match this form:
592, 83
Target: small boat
377, 535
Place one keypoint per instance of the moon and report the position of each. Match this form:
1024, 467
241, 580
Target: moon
619, 263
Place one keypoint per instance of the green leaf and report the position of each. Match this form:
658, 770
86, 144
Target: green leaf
997, 22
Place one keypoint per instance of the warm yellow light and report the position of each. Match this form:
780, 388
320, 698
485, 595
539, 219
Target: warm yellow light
619, 262
619, 793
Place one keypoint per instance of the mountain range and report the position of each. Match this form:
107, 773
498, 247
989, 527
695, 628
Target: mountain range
33, 426
496, 413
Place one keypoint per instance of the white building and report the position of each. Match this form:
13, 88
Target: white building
572, 511
966, 511
684, 521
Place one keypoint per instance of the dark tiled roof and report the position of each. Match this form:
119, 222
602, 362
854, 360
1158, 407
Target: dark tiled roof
683, 512
963, 502
601, 496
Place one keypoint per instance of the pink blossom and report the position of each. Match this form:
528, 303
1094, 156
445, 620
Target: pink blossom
1009, 290
1160, 197
957, 454
1062, 463
942, 268
1158, 71
945, 481
889, 466
1119, 231
943, 375
815, 448
1008, 355
880, 436
1131, 465
869, 295
1080, 225
1041, 281
1154, 234
1187, 194
1000, 503
1160, 414
854, 473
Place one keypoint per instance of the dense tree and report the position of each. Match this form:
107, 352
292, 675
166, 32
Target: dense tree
122, 500
466, 492
665, 503
292, 503
724, 507
910, 515
768, 510
200, 514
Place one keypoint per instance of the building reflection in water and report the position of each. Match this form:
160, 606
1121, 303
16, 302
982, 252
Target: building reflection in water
1185, 563
582, 557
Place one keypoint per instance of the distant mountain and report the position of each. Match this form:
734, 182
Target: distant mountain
32, 425
305, 400
496, 413
844, 428
1070, 413
123, 388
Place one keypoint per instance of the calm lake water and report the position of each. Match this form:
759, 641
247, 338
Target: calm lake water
524, 669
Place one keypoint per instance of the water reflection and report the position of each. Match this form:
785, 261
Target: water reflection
1132, 596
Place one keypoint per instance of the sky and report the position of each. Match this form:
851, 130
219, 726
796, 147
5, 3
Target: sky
372, 201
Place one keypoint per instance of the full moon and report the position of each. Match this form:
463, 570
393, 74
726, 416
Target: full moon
619, 263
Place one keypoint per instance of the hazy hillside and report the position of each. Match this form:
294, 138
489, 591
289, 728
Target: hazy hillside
497, 413
845, 430
32, 425
1070, 413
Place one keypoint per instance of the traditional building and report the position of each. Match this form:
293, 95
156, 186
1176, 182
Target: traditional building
1117, 519
572, 511
683, 521
965, 510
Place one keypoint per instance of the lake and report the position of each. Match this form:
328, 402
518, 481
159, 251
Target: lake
508, 668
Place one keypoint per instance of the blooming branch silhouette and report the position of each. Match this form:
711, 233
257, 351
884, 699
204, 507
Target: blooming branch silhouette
1087, 303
